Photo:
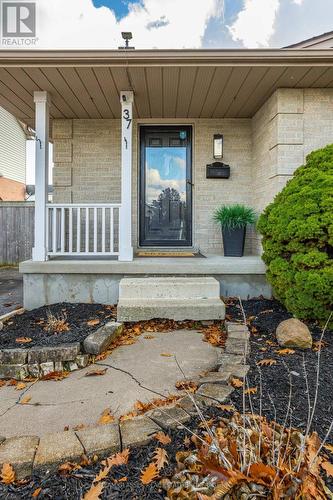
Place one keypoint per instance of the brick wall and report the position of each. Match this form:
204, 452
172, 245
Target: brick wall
291, 124
263, 153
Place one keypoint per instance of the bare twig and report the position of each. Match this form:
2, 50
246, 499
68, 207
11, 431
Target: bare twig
318, 374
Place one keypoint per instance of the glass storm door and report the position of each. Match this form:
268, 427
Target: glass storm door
166, 186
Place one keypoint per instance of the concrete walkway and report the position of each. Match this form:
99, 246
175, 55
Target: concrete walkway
134, 372
11, 289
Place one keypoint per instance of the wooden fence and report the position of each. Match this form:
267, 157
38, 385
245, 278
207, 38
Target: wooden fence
16, 231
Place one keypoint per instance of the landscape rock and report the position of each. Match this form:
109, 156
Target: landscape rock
235, 327
60, 353
82, 360
57, 448
169, 417
58, 366
20, 453
98, 341
225, 359
17, 372
238, 371
103, 440
13, 356
239, 335
187, 404
293, 333
46, 368
215, 391
34, 370
236, 346
220, 377
72, 366
138, 431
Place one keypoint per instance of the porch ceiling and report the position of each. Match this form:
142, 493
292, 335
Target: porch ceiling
166, 83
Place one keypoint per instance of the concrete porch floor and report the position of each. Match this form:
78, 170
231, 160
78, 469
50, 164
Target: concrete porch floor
97, 281
210, 264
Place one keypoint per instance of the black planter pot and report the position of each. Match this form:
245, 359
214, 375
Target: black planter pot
233, 241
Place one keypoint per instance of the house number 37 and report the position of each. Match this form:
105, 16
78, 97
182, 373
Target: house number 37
128, 119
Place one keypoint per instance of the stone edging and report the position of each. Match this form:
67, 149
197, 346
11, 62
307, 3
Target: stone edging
30, 453
40, 361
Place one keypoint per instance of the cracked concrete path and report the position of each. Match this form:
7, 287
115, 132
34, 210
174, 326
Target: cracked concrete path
134, 372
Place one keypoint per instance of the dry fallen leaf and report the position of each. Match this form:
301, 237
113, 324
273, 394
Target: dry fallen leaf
55, 376
149, 473
162, 438
227, 407
121, 480
20, 386
23, 340
36, 492
66, 468
25, 400
106, 417
251, 390
285, 352
236, 382
160, 458
94, 493
166, 354
120, 458
186, 385
96, 373
328, 468
93, 322
319, 345
7, 474
267, 362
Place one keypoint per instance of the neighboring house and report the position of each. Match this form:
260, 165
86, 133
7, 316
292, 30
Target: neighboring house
133, 133
12, 158
324, 41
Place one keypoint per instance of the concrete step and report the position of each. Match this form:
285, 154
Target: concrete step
169, 287
170, 298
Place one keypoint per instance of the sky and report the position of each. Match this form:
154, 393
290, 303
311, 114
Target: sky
80, 24
97, 24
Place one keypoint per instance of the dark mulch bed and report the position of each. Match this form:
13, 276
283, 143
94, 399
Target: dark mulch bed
32, 324
265, 315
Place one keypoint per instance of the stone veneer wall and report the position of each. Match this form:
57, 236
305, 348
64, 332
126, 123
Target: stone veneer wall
263, 153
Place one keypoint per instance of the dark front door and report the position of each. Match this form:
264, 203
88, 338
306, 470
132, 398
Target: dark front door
166, 186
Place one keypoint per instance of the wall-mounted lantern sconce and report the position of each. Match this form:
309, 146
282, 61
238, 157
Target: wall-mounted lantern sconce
218, 146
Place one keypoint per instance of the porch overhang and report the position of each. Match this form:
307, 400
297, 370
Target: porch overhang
166, 83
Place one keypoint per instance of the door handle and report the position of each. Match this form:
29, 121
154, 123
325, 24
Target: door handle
189, 182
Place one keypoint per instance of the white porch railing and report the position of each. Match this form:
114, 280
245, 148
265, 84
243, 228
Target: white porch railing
82, 229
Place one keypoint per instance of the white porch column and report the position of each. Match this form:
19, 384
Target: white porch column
125, 218
41, 173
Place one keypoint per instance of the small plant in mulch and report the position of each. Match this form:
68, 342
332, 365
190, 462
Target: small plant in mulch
56, 323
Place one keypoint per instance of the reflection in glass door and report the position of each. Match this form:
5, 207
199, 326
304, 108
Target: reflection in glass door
166, 187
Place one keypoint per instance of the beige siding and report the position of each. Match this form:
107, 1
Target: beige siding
12, 148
